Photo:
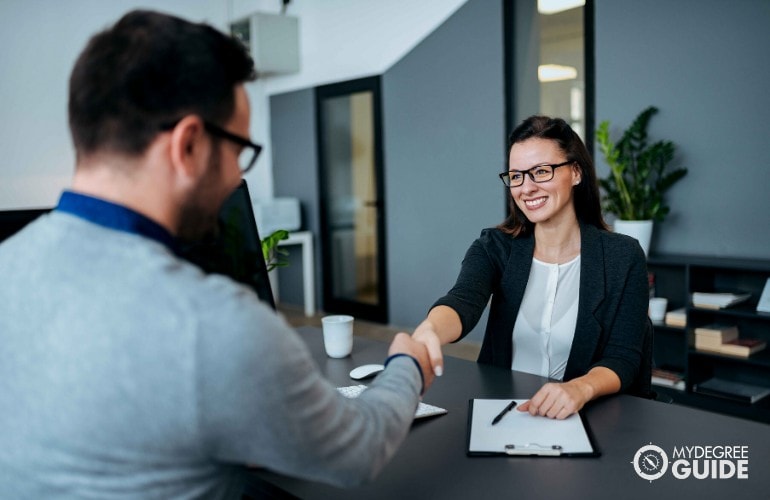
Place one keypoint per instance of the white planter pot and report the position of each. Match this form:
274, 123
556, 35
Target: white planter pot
639, 229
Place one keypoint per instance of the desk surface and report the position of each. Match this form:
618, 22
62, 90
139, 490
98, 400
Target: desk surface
432, 462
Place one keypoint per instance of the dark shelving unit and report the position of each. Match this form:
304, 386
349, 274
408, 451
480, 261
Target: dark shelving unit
676, 278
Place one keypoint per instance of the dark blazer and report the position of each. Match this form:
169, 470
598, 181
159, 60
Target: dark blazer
612, 327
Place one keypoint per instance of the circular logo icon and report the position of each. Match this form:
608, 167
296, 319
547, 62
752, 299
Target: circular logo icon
650, 462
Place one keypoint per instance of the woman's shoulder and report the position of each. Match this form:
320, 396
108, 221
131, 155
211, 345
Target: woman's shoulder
494, 237
619, 241
498, 245
495, 234
619, 245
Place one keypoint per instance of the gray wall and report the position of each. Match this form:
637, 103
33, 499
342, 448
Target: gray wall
295, 174
704, 64
444, 144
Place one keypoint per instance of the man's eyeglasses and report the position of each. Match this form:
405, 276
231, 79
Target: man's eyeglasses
249, 152
539, 173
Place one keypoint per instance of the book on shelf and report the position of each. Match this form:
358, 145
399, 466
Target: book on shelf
667, 378
736, 391
718, 300
711, 337
707, 343
743, 347
717, 331
676, 317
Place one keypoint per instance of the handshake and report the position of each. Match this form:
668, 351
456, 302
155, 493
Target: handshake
405, 344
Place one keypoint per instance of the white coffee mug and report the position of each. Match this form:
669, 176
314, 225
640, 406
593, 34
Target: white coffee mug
338, 335
657, 310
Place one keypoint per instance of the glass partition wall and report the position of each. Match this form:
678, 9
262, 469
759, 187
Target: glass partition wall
561, 71
549, 71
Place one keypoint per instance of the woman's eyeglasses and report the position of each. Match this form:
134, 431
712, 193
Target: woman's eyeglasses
539, 173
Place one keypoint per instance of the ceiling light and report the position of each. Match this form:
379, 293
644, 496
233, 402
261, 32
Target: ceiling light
555, 73
554, 6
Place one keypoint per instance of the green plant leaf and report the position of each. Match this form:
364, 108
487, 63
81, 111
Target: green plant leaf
638, 180
275, 256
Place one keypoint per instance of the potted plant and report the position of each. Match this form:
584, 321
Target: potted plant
274, 256
638, 180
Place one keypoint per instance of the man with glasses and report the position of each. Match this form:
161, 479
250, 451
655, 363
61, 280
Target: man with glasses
125, 371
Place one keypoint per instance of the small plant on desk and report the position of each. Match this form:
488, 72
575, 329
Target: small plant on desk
274, 256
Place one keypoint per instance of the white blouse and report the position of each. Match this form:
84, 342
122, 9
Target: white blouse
545, 325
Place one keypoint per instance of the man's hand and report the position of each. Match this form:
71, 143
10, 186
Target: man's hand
404, 344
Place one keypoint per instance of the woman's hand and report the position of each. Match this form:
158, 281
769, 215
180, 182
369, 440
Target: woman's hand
558, 400
426, 335
440, 327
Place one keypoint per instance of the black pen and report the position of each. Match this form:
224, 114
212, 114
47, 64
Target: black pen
508, 408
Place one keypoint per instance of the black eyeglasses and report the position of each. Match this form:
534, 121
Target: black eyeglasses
248, 155
539, 173
250, 152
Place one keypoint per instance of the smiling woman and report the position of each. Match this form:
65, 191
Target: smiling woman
539, 192
553, 249
542, 145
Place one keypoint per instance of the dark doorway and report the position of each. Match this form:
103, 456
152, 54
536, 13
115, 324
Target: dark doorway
351, 194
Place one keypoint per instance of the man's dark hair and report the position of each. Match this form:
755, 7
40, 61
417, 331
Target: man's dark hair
146, 72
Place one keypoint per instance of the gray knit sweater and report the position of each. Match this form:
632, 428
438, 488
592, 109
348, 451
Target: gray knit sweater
127, 373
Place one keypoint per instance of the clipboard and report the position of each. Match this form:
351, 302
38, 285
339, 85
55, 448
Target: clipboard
521, 434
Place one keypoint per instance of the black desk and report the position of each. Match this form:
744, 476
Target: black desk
432, 462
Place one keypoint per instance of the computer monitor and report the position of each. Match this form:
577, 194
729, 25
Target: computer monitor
237, 250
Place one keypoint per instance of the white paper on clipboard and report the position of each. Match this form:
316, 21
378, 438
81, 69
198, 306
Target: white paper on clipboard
520, 433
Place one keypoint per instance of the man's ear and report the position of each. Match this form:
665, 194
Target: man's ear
188, 147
